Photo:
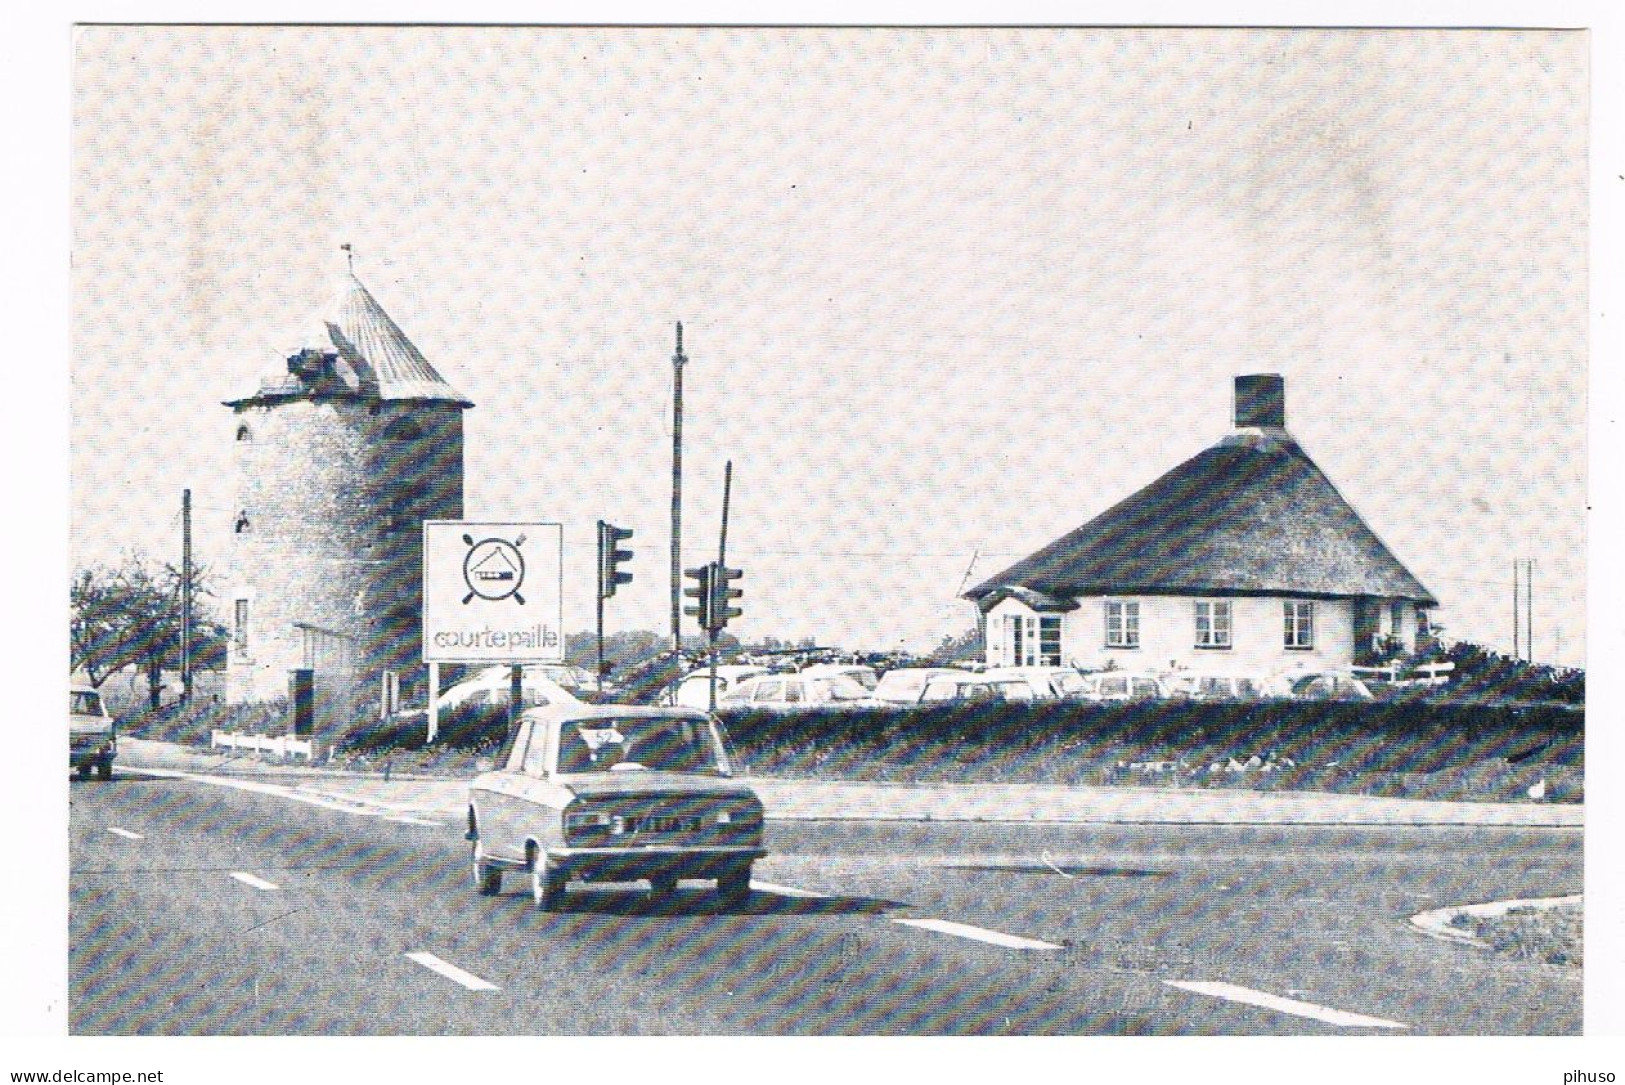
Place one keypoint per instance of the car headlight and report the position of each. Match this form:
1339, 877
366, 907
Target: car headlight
738, 815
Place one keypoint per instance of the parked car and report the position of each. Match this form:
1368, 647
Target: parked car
614, 793
92, 735
1125, 686
492, 686
904, 685
1218, 687
1328, 686
862, 675
695, 688
1046, 683
977, 687
789, 692
956, 687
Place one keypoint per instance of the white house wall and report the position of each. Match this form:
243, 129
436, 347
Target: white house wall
1168, 635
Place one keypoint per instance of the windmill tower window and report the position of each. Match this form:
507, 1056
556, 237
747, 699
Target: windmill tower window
242, 525
244, 433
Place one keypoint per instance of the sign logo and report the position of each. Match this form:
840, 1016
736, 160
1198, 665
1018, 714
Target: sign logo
493, 569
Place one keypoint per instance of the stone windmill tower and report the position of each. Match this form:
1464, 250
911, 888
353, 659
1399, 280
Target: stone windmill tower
338, 461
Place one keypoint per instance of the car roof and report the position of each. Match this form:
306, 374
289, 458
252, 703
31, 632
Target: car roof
730, 670
570, 713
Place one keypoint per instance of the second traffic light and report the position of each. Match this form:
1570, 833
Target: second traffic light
610, 557
722, 594
701, 593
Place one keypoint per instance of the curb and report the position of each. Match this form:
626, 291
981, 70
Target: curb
1437, 923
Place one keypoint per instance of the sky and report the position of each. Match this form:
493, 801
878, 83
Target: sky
946, 294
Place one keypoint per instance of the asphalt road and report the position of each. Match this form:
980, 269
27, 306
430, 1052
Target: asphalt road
196, 909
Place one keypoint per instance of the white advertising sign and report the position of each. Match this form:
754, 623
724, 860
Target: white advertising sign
492, 593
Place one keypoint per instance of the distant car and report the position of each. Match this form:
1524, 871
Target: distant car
1125, 686
904, 685
1219, 687
614, 793
694, 690
1046, 683
956, 687
791, 692
568, 676
92, 735
862, 675
492, 686
1328, 686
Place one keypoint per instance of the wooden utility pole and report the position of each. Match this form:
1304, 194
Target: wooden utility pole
1516, 607
677, 362
1529, 608
186, 596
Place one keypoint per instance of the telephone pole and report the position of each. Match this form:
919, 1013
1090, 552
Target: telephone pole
186, 596
677, 362
1523, 609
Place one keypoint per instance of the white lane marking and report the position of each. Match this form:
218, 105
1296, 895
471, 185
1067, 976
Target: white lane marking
358, 807
979, 934
249, 879
452, 972
125, 833
785, 890
418, 821
1233, 993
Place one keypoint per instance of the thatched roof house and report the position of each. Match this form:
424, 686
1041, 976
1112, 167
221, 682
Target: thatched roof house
1250, 518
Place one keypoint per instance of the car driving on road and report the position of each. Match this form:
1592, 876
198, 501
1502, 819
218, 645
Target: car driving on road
614, 793
92, 737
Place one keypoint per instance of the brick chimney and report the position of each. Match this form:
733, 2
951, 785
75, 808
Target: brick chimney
1260, 401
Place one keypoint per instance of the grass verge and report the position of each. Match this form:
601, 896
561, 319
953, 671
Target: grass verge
1553, 936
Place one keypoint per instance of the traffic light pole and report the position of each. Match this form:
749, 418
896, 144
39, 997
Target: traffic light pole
677, 361
722, 561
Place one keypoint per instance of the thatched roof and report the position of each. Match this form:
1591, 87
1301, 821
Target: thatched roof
353, 348
1252, 515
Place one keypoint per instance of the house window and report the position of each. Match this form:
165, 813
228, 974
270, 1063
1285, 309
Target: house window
1300, 625
1213, 623
1122, 625
244, 434
239, 629
1034, 642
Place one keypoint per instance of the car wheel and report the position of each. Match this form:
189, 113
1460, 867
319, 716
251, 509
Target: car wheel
546, 885
734, 886
487, 876
84, 771
104, 769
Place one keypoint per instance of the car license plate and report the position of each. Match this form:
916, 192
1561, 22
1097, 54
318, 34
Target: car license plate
665, 824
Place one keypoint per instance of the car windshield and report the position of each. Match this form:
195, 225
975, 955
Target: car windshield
653, 744
84, 702
1068, 682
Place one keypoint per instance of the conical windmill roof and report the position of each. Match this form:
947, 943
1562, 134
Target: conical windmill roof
373, 358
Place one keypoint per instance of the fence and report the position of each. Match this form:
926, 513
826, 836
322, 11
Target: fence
283, 746
1418, 674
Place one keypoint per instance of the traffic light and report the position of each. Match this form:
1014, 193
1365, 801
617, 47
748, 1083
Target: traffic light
700, 593
722, 594
610, 556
